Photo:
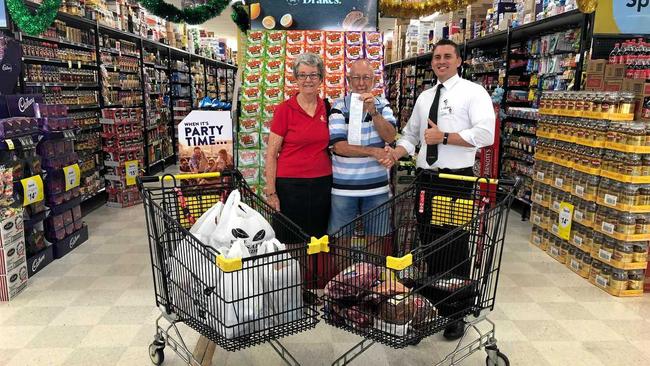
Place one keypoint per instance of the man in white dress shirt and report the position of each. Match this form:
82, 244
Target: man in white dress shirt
450, 121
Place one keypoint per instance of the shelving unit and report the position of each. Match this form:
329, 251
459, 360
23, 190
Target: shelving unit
525, 61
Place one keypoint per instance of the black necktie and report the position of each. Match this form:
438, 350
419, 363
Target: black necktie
432, 150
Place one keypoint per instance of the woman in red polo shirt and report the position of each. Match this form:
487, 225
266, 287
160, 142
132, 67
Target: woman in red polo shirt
298, 166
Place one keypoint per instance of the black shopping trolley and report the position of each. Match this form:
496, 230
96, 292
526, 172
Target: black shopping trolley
230, 301
424, 260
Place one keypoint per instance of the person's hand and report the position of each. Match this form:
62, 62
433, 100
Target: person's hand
273, 201
433, 135
386, 157
368, 102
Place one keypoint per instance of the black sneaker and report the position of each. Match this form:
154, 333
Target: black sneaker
454, 331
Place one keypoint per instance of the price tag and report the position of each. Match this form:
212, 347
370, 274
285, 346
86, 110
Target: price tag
575, 264
611, 199
32, 189
580, 191
69, 64
601, 281
555, 229
578, 215
577, 240
78, 64
603, 254
556, 205
131, 168
540, 175
10, 144
608, 228
565, 219
559, 182
72, 176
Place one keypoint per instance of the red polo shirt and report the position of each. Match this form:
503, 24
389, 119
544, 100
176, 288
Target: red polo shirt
306, 139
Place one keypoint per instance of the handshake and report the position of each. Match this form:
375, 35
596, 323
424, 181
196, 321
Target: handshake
388, 156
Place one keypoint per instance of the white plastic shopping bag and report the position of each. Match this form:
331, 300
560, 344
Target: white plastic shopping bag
241, 299
207, 223
240, 221
282, 283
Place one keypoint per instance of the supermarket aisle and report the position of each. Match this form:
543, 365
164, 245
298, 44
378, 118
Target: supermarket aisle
94, 307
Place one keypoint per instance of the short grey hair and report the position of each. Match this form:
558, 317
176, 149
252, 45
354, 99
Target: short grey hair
309, 59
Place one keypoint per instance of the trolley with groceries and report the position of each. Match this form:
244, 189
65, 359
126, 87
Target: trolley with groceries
425, 259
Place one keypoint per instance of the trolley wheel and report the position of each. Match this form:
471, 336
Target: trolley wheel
156, 354
502, 360
414, 341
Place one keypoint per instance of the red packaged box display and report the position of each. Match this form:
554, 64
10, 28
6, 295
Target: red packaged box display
334, 38
295, 38
353, 52
315, 37
293, 51
317, 49
334, 81
353, 38
373, 38
334, 66
374, 52
334, 93
335, 52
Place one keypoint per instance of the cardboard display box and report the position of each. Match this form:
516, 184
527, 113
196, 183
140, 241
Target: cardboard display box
596, 66
594, 82
615, 71
13, 283
39, 261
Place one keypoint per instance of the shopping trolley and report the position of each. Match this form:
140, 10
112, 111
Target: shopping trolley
427, 258
227, 300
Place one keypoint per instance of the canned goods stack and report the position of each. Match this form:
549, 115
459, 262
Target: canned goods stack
591, 191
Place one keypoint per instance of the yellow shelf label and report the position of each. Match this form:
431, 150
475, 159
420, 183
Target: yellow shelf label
131, 168
72, 176
32, 189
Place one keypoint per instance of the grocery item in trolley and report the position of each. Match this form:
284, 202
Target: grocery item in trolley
224, 224
234, 298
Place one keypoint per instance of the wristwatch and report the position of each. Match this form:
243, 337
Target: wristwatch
445, 138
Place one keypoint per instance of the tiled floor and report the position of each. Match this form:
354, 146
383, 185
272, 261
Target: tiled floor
94, 307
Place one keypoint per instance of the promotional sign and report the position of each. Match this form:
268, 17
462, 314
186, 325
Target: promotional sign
72, 176
11, 54
622, 16
131, 169
565, 220
341, 15
32, 190
205, 142
19, 105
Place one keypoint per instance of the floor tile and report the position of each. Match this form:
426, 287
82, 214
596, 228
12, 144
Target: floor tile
616, 353
42, 356
110, 336
566, 353
567, 311
611, 311
81, 315
543, 330
547, 294
95, 356
590, 330
33, 315
128, 315
17, 336
60, 336
524, 311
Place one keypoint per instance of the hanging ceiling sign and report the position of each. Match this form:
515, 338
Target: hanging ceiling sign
333, 15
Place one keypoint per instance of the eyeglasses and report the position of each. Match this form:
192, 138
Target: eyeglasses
310, 76
356, 79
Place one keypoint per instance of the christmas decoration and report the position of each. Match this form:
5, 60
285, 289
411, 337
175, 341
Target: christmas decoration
240, 16
196, 15
33, 23
587, 6
416, 8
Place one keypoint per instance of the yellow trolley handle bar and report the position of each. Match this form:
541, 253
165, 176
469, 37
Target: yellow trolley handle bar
465, 178
154, 179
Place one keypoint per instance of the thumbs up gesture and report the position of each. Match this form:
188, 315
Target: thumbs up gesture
433, 135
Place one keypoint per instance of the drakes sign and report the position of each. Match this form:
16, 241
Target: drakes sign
342, 15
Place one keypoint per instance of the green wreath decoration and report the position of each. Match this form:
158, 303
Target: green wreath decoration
240, 16
33, 23
193, 16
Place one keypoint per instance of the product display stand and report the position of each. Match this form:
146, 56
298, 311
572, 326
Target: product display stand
123, 149
591, 192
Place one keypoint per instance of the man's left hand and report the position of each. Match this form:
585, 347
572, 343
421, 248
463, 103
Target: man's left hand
368, 102
433, 135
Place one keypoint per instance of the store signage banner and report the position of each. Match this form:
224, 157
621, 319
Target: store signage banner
205, 142
622, 16
335, 15
21, 105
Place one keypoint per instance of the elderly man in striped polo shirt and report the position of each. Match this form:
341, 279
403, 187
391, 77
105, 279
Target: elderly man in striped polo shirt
360, 181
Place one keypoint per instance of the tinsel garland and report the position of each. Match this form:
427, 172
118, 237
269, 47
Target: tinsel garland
33, 23
412, 9
240, 16
195, 15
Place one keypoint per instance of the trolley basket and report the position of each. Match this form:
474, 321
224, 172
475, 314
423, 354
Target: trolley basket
426, 258
234, 302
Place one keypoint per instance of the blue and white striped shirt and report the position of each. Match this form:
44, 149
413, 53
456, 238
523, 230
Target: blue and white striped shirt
358, 176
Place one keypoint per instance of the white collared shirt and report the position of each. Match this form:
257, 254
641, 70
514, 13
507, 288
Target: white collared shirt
465, 108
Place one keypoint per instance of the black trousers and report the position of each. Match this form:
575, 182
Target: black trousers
449, 258
307, 202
